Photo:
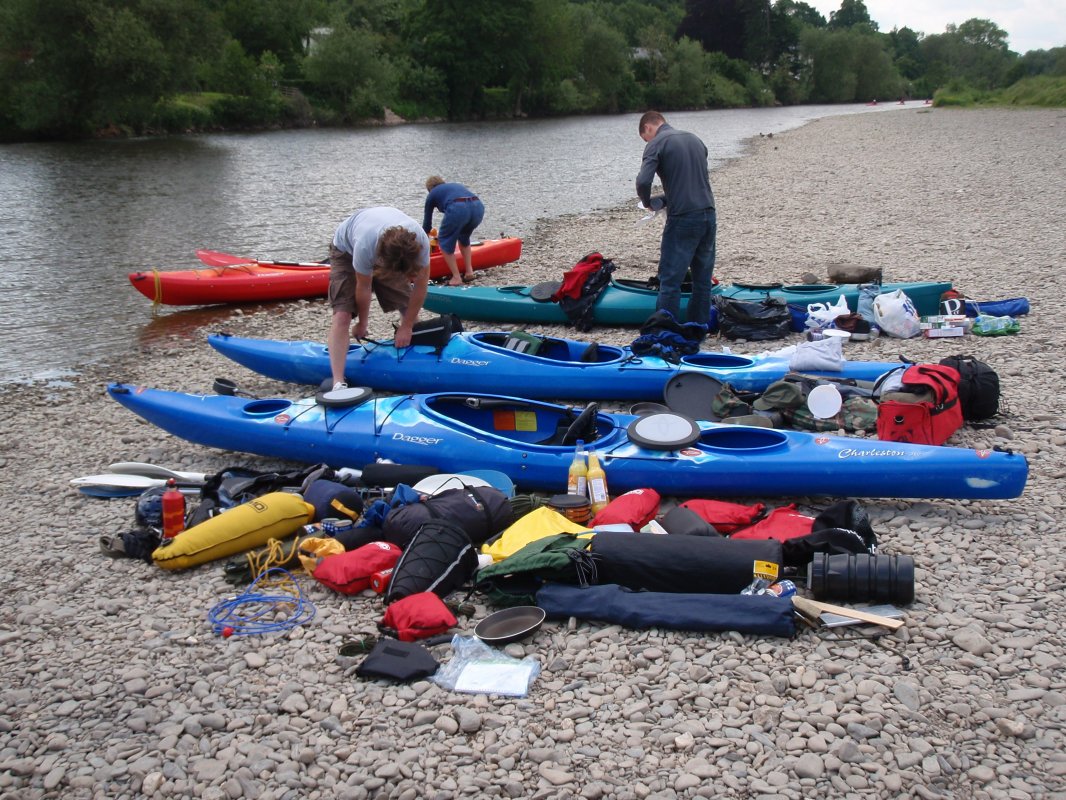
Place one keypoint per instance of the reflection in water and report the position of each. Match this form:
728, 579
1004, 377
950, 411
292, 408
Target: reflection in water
75, 219
166, 328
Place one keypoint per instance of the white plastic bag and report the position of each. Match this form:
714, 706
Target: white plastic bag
895, 315
477, 668
822, 315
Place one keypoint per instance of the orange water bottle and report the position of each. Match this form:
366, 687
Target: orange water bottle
173, 510
597, 483
577, 479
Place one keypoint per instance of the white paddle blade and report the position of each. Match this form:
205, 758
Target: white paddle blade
155, 471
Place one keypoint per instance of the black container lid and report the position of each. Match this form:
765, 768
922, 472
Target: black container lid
568, 501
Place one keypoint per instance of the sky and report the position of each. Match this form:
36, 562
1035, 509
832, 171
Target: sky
1030, 24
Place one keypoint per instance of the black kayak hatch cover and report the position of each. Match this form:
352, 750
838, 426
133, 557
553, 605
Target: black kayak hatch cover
667, 431
692, 394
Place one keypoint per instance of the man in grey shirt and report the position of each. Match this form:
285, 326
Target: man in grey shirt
379, 251
688, 244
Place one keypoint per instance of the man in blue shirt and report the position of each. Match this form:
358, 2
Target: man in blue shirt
688, 243
379, 251
463, 212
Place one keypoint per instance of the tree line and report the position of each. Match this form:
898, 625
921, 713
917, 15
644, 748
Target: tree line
78, 68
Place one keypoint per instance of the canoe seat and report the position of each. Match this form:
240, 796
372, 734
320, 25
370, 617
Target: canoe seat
522, 342
591, 354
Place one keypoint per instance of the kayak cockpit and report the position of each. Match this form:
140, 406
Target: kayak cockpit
718, 360
523, 422
549, 347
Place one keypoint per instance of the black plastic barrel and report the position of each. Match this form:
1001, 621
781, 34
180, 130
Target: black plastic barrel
861, 577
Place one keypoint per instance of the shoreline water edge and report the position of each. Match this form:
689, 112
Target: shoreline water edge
114, 686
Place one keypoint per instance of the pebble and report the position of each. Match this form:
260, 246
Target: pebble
114, 685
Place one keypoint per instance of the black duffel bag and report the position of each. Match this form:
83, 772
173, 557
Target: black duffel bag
481, 511
755, 321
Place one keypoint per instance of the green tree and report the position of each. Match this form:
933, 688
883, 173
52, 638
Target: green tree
788, 19
475, 44
852, 13
278, 26
638, 19
604, 64
907, 53
347, 70
974, 52
847, 66
549, 56
802, 13
738, 28
79, 65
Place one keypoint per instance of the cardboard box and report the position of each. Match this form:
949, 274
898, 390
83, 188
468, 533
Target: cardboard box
942, 333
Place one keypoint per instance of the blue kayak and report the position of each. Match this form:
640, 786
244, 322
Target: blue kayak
631, 302
532, 442
482, 362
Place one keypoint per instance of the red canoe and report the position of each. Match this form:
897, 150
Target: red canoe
233, 279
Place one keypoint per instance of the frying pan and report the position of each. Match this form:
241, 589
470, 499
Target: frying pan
509, 625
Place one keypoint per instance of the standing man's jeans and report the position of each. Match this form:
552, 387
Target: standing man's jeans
688, 244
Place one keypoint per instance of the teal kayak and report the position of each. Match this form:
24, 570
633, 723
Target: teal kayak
631, 302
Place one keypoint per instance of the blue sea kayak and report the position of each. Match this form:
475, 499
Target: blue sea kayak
631, 302
482, 362
532, 442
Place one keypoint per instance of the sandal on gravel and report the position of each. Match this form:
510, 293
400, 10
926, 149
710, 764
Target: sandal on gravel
112, 546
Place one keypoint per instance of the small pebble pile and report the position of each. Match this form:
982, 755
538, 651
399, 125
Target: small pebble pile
113, 686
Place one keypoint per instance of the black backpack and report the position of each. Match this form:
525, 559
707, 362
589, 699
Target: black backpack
481, 511
437, 331
439, 558
978, 386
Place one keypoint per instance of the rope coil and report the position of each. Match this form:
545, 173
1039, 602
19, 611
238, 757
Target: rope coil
260, 608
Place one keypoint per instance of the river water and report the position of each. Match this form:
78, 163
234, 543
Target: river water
76, 218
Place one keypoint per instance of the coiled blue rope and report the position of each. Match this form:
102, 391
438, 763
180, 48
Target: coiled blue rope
257, 608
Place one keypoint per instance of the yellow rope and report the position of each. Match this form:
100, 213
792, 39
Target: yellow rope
157, 298
273, 556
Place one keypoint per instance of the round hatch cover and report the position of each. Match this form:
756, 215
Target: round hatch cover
691, 394
667, 431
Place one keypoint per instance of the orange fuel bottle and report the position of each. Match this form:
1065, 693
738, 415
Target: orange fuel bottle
173, 510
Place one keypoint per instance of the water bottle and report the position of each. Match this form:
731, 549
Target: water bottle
577, 479
173, 510
597, 481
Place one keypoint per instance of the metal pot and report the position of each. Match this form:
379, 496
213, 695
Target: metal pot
510, 625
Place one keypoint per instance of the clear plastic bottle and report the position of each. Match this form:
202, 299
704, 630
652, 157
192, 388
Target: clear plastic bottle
577, 480
173, 510
597, 481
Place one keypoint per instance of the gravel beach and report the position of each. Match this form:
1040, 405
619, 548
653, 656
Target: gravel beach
113, 686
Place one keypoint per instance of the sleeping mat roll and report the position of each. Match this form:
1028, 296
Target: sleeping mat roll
755, 614
690, 564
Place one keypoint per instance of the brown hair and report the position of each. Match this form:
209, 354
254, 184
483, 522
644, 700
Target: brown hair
398, 251
650, 118
433, 181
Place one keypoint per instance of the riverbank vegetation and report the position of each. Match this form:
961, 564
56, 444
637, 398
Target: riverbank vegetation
81, 68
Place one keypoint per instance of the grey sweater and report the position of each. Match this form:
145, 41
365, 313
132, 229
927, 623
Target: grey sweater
680, 160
